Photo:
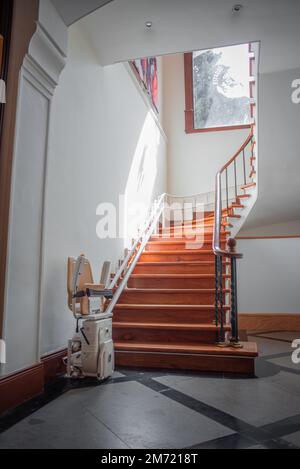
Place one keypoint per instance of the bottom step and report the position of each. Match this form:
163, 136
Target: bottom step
183, 357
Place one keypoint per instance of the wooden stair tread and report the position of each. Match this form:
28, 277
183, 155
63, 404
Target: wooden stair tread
247, 186
165, 307
168, 326
184, 239
191, 276
195, 225
174, 241
171, 290
178, 263
180, 251
249, 349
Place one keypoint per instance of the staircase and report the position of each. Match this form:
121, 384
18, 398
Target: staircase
175, 301
165, 318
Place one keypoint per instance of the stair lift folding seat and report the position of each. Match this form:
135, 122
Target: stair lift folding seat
90, 351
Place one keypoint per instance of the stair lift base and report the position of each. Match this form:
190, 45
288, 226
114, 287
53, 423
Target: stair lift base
91, 350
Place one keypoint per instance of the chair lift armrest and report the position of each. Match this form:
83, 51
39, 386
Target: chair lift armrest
98, 290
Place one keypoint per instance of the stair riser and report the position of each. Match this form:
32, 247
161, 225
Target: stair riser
190, 236
166, 298
201, 219
185, 362
175, 269
200, 223
182, 231
171, 283
207, 238
159, 316
152, 336
188, 245
206, 215
188, 256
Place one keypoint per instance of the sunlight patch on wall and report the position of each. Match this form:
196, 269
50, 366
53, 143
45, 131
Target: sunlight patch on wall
141, 179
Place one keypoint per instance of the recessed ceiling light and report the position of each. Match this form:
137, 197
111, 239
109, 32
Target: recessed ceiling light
148, 24
237, 8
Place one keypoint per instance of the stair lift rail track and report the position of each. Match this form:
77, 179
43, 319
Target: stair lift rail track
134, 254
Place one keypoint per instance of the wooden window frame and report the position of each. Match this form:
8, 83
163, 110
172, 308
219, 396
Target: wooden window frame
189, 102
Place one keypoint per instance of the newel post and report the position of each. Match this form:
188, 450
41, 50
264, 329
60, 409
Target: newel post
234, 340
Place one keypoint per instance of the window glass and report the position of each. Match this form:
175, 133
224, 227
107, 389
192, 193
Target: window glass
221, 89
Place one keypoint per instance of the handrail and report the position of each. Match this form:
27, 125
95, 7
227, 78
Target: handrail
133, 256
248, 139
218, 251
230, 252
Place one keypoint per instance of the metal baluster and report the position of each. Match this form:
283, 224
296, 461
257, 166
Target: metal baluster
235, 183
244, 166
227, 193
222, 332
234, 340
217, 297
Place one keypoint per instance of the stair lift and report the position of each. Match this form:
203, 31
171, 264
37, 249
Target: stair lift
91, 350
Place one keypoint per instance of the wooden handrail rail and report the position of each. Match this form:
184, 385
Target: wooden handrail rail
238, 152
218, 251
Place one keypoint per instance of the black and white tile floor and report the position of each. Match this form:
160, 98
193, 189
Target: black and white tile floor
169, 410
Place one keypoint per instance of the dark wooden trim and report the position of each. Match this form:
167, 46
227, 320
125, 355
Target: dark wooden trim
25, 15
220, 129
20, 387
269, 322
53, 365
189, 101
6, 15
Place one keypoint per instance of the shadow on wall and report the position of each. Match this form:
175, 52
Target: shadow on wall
141, 179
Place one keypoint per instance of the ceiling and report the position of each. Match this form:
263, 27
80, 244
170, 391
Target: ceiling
73, 10
117, 32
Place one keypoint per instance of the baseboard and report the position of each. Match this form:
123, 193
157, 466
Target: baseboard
19, 387
269, 237
53, 365
269, 322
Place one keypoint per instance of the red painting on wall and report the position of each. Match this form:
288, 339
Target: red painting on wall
146, 71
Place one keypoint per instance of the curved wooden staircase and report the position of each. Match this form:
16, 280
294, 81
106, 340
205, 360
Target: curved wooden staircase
175, 302
165, 318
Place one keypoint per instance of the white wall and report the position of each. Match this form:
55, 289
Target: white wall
38, 78
194, 159
96, 139
289, 228
104, 140
268, 276
279, 152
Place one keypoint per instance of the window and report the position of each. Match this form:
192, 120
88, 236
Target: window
217, 89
